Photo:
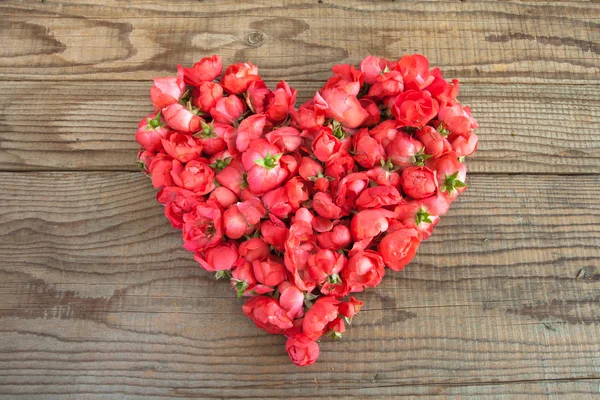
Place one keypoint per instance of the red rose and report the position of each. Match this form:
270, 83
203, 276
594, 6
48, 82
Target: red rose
463, 145
385, 132
267, 172
403, 149
204, 70
399, 247
348, 190
302, 350
378, 196
254, 249
195, 176
177, 202
415, 71
219, 258
151, 130
274, 233
257, 97
267, 314
414, 214
212, 137
167, 91
242, 279
383, 176
325, 144
241, 218
451, 175
419, 182
343, 107
367, 151
288, 139
208, 95
414, 108
202, 227
371, 67
310, 169
338, 238
456, 118
373, 110
323, 205
303, 214
349, 308
269, 271
182, 147
297, 192
310, 115
238, 77
364, 269
340, 165
281, 102
160, 170
325, 264
319, 315
435, 144
249, 130
387, 84
369, 223
440, 88
224, 197
276, 202
228, 110
181, 119
291, 299
299, 246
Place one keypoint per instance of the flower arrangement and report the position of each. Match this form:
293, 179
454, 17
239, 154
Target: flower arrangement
299, 208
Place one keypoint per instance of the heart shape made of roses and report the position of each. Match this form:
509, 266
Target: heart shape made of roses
300, 207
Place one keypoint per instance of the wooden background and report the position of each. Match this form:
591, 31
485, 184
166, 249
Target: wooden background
99, 300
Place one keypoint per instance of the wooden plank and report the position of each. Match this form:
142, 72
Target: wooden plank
91, 126
97, 297
477, 41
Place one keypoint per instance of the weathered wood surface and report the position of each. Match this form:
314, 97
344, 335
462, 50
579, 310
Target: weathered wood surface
99, 300
90, 126
477, 41
96, 288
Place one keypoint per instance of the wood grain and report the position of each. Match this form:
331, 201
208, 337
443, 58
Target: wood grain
90, 126
99, 298
477, 41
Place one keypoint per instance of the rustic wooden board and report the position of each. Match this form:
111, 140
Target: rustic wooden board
98, 297
90, 126
477, 41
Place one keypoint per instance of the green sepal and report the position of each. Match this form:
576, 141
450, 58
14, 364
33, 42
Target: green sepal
423, 216
155, 122
451, 183
223, 274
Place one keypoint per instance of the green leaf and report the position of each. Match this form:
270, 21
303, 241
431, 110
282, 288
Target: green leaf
336, 335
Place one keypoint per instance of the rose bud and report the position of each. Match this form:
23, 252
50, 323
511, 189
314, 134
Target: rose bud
319, 316
182, 147
299, 245
325, 144
403, 150
212, 137
267, 314
231, 176
383, 176
373, 110
276, 202
321, 224
177, 202
385, 132
223, 196
388, 84
451, 175
371, 67
195, 176
219, 258
440, 88
297, 192
343, 107
337, 328
302, 350
415, 214
349, 308
257, 97
419, 182
310, 116
339, 166
266, 174
323, 205
367, 151
167, 91
288, 139
151, 130
370, 223
435, 144
326, 264
291, 299
456, 118
145, 158
241, 218
181, 119
160, 170
274, 234
415, 72
346, 77
349, 188
254, 249
398, 248
228, 110
250, 129
377, 197
303, 214
238, 77
364, 269
463, 145
281, 102
207, 96
202, 227
414, 108
243, 281
321, 185
310, 169
269, 271
204, 70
